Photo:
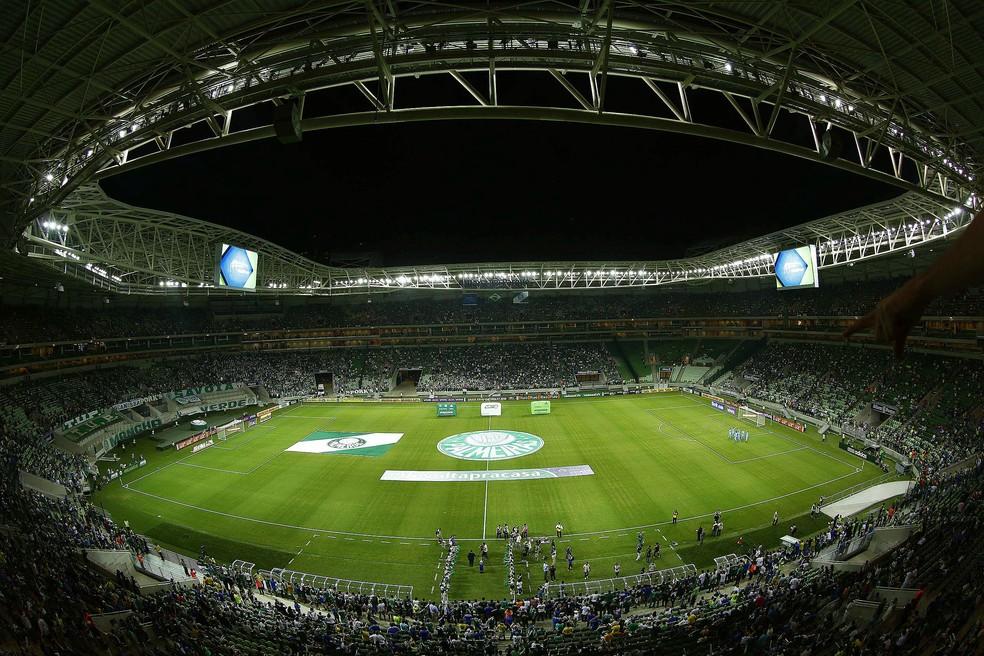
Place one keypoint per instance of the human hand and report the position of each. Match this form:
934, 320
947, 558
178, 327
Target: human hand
894, 316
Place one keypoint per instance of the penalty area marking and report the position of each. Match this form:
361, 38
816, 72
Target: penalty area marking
688, 436
230, 471
789, 439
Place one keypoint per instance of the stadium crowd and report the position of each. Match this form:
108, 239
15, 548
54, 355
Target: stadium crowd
27, 324
937, 411
766, 602
31, 410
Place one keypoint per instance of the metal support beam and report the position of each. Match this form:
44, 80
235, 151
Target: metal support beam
370, 96
387, 82
475, 93
599, 72
571, 89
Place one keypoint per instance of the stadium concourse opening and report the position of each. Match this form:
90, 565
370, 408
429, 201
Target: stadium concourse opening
345, 332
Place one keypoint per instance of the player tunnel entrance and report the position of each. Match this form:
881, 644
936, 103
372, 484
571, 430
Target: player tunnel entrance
406, 380
325, 382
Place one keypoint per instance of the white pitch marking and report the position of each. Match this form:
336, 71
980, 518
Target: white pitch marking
424, 544
672, 548
215, 469
485, 508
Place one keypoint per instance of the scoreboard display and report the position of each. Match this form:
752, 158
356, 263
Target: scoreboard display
447, 409
796, 268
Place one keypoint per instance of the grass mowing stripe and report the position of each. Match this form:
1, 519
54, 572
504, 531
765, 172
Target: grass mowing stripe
602, 534
218, 547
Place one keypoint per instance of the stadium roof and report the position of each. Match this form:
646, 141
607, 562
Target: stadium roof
893, 91
128, 249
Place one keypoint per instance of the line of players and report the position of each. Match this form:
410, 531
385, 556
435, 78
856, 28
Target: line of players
738, 435
519, 534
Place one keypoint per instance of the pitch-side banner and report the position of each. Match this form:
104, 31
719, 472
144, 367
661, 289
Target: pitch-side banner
434, 476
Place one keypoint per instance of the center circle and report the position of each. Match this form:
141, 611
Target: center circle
489, 445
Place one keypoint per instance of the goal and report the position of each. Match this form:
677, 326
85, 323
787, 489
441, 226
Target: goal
751, 416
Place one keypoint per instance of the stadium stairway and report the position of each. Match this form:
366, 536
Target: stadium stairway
150, 577
405, 389
262, 394
883, 541
622, 359
743, 351
43, 485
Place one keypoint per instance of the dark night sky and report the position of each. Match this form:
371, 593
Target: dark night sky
496, 190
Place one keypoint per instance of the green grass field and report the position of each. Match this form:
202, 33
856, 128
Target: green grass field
248, 498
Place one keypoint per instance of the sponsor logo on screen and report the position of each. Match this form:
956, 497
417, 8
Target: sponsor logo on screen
796, 268
237, 267
490, 445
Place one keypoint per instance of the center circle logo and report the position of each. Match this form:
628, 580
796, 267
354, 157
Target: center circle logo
490, 445
346, 443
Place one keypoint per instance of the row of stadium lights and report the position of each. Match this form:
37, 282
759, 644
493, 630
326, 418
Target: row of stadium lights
758, 260
488, 275
54, 225
99, 271
846, 242
516, 275
89, 266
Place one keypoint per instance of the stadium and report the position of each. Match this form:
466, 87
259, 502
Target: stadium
491, 328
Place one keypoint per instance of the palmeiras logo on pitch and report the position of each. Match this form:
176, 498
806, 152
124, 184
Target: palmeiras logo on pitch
490, 445
349, 444
346, 443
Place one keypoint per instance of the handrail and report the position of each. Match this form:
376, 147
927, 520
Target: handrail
657, 577
390, 590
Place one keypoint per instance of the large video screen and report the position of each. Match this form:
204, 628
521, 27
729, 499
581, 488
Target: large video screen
796, 268
236, 267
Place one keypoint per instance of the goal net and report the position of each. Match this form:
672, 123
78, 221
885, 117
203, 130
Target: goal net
751, 416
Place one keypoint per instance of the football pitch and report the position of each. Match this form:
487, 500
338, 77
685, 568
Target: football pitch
303, 491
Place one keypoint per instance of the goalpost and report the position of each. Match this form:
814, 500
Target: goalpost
751, 416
